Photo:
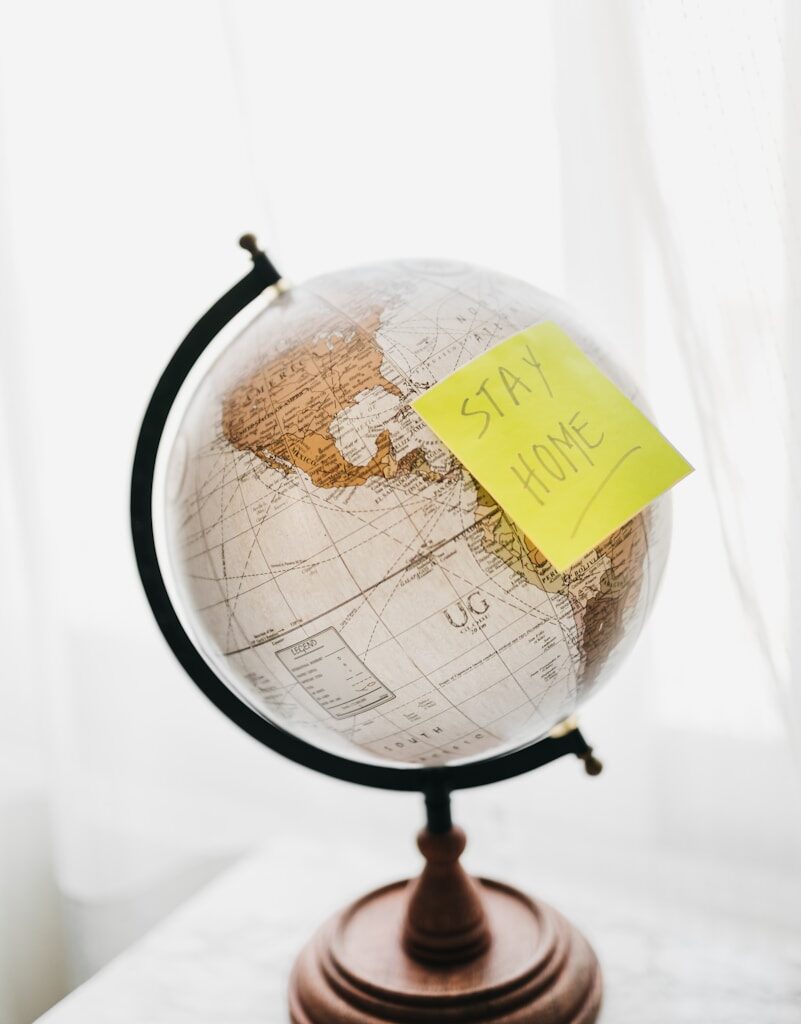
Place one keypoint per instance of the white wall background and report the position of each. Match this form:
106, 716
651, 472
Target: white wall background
640, 159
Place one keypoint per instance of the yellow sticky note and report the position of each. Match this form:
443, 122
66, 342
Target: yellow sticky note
558, 446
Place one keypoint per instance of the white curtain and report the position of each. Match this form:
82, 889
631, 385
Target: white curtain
641, 159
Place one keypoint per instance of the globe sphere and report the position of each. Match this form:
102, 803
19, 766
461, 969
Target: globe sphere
335, 564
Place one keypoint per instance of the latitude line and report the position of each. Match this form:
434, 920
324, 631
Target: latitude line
359, 593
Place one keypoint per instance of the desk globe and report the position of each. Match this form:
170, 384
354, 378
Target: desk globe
339, 585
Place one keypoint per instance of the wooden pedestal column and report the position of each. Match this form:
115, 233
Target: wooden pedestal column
446, 947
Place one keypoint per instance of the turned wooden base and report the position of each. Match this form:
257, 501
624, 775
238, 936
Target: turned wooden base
398, 955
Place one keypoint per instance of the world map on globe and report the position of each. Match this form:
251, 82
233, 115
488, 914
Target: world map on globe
337, 566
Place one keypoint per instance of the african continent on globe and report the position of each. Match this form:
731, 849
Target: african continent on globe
338, 567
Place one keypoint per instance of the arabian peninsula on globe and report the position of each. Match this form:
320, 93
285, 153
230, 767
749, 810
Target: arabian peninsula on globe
338, 567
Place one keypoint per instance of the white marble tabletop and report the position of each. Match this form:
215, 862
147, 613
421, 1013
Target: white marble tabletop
224, 957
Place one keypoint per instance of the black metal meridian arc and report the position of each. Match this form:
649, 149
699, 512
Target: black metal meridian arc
436, 783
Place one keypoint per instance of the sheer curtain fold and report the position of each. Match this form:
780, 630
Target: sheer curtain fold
641, 159
727, 249
699, 137
697, 105
32, 961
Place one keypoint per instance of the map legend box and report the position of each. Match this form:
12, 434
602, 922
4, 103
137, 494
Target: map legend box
333, 675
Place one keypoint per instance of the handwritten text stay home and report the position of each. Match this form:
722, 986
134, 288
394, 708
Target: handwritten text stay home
552, 439
551, 457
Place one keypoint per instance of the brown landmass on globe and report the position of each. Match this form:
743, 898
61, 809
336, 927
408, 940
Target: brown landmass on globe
599, 616
626, 549
283, 412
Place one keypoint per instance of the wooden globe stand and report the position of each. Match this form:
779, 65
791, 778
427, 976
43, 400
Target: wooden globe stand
446, 947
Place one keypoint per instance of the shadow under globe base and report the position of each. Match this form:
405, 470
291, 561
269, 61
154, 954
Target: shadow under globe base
446, 947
